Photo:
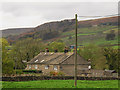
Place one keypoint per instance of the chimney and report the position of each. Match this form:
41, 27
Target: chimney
47, 50
65, 50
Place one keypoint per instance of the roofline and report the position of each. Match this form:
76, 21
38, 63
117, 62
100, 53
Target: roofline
57, 64
46, 63
40, 54
66, 59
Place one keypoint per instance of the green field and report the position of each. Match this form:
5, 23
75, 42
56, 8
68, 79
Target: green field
61, 84
95, 35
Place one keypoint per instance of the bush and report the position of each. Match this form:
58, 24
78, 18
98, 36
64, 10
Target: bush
19, 72
110, 36
60, 74
32, 71
53, 73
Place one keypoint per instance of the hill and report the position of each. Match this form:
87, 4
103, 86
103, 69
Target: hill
15, 31
88, 31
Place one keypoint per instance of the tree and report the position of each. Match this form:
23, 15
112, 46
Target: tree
57, 45
7, 62
70, 37
112, 57
26, 50
94, 53
110, 36
50, 35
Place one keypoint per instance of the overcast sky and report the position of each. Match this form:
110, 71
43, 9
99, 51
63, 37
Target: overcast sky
32, 14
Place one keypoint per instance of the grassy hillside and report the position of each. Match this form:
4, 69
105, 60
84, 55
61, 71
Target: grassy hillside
95, 35
89, 31
15, 31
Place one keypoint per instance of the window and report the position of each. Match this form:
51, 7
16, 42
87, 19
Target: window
29, 66
46, 67
55, 68
60, 67
42, 61
36, 67
36, 60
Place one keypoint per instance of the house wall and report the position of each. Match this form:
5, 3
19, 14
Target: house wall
69, 69
110, 74
42, 67
97, 73
51, 68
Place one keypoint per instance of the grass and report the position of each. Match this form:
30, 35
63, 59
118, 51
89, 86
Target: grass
61, 84
115, 47
94, 35
104, 29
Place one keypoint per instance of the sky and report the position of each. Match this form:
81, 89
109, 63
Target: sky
33, 13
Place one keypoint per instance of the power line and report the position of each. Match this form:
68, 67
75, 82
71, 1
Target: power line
100, 16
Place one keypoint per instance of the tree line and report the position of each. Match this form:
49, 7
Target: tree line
24, 50
102, 58
13, 56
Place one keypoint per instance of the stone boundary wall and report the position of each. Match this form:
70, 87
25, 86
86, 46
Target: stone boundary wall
31, 78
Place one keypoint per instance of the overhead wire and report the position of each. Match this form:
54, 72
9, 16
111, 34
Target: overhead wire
100, 16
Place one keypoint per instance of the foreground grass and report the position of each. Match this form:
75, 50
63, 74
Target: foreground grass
61, 84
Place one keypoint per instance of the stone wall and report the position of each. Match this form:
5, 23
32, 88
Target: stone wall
31, 78
42, 67
69, 69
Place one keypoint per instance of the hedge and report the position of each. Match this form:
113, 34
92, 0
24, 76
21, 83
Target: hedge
32, 71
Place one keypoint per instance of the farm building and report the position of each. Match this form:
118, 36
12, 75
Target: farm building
58, 62
110, 73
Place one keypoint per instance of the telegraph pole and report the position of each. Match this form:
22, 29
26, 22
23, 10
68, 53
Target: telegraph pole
75, 77
15, 58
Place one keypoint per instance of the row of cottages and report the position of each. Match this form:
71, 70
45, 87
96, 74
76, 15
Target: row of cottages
59, 62
64, 62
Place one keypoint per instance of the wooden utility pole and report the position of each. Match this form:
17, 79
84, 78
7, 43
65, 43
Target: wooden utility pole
15, 66
75, 77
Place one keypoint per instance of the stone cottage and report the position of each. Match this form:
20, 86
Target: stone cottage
58, 62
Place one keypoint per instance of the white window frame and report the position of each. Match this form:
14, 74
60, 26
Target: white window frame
36, 66
29, 66
55, 68
36, 60
46, 67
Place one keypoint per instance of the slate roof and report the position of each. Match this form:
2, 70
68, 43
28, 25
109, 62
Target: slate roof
80, 60
111, 71
49, 58
56, 58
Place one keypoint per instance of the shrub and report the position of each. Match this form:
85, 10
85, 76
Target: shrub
19, 72
53, 73
60, 74
32, 71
